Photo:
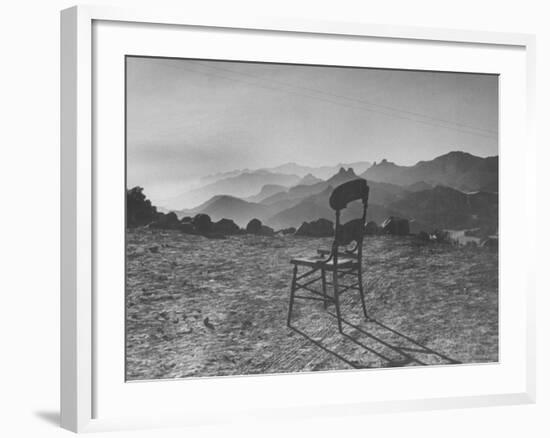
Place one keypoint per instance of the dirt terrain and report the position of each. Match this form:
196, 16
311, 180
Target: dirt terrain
213, 307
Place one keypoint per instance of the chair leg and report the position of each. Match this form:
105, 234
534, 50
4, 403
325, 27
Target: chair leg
324, 282
361, 292
337, 299
292, 290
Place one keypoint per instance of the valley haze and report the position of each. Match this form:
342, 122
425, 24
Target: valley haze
455, 190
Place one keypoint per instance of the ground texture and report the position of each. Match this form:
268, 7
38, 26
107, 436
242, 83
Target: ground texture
214, 307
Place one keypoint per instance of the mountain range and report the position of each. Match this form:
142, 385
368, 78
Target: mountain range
459, 170
241, 185
247, 183
323, 172
453, 191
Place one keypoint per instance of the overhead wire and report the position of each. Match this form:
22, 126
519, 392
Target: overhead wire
352, 99
358, 104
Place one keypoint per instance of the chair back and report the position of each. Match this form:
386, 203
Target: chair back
348, 192
354, 230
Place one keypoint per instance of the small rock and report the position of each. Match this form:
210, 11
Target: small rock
208, 324
423, 236
371, 228
185, 331
319, 228
396, 226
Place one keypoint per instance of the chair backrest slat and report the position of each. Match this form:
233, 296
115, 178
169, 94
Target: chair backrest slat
348, 192
341, 196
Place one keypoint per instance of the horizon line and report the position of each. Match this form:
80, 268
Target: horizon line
371, 162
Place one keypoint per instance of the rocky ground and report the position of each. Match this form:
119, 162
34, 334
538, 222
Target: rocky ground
213, 307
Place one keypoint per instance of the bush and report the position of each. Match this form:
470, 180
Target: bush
226, 226
139, 210
202, 223
319, 228
254, 226
168, 221
266, 231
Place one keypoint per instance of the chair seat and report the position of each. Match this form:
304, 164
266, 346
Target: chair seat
343, 262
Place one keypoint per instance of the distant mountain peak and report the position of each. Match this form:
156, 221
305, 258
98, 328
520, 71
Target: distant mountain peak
342, 175
343, 171
456, 154
309, 179
384, 163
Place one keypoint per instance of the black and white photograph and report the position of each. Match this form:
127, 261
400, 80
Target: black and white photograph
287, 218
301, 218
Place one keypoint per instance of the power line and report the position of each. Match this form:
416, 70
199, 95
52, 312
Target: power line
272, 88
352, 99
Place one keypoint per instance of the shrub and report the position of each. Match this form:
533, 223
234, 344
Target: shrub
226, 226
266, 231
254, 226
139, 210
168, 221
202, 223
319, 228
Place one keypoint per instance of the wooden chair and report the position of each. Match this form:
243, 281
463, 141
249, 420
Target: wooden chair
343, 259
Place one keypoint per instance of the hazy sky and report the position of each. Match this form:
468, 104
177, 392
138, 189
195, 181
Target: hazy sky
190, 118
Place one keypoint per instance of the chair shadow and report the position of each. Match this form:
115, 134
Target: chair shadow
51, 417
405, 352
325, 348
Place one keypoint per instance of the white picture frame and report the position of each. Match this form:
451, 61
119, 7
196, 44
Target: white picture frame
83, 370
